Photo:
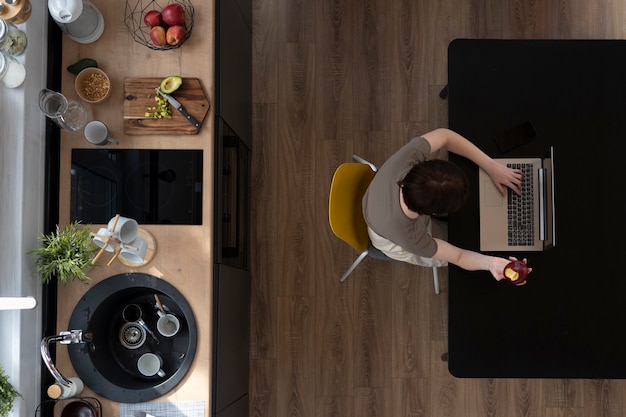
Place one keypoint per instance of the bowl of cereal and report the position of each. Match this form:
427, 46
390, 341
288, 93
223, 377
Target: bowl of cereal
92, 85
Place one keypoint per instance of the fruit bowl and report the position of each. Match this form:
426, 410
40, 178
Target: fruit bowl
140, 31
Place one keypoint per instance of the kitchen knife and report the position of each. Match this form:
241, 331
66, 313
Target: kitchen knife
180, 108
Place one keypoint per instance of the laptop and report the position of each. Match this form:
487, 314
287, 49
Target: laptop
513, 223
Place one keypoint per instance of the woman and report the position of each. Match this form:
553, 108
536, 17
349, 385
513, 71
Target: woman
409, 188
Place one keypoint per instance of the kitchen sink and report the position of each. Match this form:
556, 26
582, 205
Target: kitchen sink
121, 313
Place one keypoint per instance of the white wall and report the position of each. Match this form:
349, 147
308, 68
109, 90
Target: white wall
22, 146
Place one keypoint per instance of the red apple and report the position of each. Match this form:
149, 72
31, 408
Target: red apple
157, 35
173, 14
153, 18
516, 272
176, 35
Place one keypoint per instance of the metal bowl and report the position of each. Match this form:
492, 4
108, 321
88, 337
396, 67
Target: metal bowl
140, 32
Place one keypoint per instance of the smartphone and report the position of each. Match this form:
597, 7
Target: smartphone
515, 137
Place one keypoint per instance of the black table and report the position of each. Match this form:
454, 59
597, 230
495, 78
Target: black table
568, 321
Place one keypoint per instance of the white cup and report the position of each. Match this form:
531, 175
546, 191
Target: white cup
98, 133
150, 364
168, 324
100, 238
125, 230
135, 251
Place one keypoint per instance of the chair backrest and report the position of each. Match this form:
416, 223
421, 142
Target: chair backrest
345, 207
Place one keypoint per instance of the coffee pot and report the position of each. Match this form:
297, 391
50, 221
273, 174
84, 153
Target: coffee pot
79, 19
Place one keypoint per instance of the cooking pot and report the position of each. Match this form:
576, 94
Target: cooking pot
79, 408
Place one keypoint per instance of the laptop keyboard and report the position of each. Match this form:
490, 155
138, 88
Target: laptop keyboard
520, 210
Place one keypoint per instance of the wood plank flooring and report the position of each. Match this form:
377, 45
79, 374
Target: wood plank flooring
336, 77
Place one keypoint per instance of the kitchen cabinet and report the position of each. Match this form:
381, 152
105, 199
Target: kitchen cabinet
233, 83
233, 140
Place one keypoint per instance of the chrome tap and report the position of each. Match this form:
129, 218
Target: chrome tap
64, 338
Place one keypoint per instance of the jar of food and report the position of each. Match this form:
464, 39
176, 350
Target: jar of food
15, 11
12, 39
12, 72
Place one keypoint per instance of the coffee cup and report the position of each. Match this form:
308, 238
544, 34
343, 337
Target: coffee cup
150, 364
134, 251
101, 239
98, 133
168, 324
125, 230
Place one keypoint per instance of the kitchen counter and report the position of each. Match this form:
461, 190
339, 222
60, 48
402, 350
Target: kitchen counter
184, 254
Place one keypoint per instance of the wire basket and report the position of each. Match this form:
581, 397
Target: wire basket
133, 18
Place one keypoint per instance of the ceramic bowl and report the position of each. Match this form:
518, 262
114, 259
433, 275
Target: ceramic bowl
92, 85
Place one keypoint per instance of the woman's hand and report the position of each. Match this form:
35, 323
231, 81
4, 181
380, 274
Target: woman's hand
505, 177
497, 265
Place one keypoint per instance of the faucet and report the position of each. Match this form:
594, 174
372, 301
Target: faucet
64, 338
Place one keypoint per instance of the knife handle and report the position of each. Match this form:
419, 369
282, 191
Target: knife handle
189, 117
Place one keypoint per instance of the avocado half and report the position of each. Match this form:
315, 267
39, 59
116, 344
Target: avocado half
171, 84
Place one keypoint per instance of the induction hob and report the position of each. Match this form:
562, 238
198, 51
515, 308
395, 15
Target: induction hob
152, 186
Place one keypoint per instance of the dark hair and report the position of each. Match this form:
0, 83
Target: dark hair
434, 187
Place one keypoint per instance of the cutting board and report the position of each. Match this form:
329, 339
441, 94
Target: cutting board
139, 95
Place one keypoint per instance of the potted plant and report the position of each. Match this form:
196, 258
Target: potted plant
8, 394
66, 254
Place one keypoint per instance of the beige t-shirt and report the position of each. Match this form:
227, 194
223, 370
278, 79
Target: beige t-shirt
381, 203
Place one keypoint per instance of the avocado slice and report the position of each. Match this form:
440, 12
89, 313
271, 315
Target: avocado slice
171, 84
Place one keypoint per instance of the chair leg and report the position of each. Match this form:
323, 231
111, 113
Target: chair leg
436, 279
362, 256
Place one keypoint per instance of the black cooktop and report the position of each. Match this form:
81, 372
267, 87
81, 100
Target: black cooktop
152, 186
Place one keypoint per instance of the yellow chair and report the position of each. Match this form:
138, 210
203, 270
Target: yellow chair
345, 211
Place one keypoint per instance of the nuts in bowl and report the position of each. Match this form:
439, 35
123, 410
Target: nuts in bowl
92, 85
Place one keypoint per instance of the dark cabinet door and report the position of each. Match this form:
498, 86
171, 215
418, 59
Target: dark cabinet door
231, 340
234, 67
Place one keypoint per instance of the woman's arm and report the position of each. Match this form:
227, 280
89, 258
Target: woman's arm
453, 142
469, 260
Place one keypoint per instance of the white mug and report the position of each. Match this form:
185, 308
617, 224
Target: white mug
150, 364
100, 238
168, 324
125, 230
134, 251
98, 133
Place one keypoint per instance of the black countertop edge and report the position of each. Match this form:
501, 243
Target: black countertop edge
51, 199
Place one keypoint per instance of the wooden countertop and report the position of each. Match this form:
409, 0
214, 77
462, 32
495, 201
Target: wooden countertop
184, 253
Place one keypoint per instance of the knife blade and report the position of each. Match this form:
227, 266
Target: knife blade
179, 107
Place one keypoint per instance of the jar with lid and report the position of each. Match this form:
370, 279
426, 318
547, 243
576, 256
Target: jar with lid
12, 72
61, 392
15, 11
12, 40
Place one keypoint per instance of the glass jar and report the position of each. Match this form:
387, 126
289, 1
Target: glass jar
12, 40
15, 11
12, 72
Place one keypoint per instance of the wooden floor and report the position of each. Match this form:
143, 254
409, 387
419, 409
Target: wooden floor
336, 77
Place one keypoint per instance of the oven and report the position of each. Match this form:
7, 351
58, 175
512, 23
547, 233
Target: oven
232, 198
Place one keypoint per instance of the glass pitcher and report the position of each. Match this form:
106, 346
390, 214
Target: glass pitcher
66, 113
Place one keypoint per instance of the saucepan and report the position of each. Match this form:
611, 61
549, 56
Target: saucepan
79, 408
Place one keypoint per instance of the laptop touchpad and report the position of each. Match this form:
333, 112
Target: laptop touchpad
493, 198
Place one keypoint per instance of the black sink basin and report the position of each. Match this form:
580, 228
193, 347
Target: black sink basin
108, 365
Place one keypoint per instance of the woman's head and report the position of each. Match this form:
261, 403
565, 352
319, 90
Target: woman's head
434, 187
